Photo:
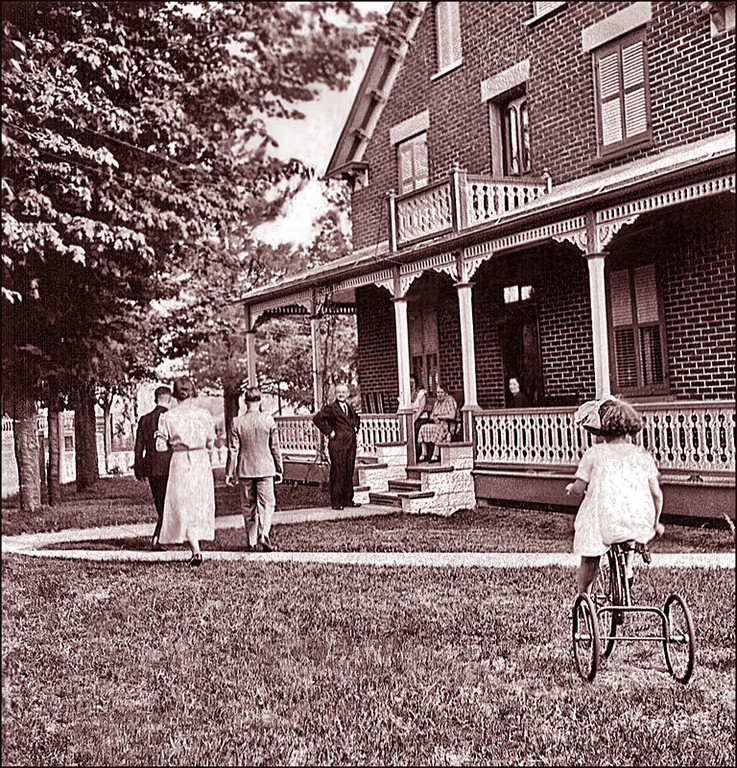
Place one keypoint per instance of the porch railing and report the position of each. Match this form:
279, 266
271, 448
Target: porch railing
298, 435
684, 437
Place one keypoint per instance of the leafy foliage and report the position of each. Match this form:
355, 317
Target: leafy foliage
135, 156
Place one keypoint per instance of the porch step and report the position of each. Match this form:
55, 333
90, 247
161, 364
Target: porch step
415, 471
390, 499
405, 485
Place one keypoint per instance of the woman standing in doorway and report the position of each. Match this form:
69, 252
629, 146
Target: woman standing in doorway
189, 508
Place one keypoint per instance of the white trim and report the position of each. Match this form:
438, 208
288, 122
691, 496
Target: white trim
446, 70
410, 127
543, 14
615, 26
504, 81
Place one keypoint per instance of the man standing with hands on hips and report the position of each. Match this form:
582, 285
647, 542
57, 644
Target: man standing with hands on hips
254, 461
339, 422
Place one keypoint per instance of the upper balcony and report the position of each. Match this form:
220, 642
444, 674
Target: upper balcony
458, 203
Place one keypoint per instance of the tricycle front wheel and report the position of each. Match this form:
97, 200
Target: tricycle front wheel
679, 642
585, 637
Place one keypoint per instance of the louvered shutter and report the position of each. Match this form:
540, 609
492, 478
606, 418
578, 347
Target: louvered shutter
419, 147
544, 7
624, 332
406, 176
448, 30
633, 82
610, 99
648, 320
413, 167
621, 72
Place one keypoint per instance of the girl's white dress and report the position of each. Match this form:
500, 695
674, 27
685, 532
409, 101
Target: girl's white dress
618, 505
189, 508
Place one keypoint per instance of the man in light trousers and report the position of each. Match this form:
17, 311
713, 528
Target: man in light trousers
254, 461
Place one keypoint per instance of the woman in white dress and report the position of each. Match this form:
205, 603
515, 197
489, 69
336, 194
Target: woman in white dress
623, 498
189, 508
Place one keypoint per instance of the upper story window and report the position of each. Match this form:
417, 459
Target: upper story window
639, 349
412, 162
448, 34
545, 7
516, 137
622, 93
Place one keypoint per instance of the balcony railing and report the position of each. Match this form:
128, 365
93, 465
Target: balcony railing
682, 437
460, 202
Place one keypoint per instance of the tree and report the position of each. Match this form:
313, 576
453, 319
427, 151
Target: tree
120, 172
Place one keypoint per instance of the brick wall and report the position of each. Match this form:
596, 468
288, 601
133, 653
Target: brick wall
698, 277
692, 83
377, 345
696, 269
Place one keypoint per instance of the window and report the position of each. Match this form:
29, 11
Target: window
412, 161
448, 34
622, 93
424, 345
638, 330
516, 137
545, 7
515, 293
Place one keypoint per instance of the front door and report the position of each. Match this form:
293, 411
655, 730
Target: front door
519, 338
423, 344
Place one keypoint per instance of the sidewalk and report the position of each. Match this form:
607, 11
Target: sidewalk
32, 544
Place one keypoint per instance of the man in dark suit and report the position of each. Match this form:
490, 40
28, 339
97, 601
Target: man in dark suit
150, 463
339, 422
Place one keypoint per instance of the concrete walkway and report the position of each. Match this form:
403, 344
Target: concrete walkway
33, 544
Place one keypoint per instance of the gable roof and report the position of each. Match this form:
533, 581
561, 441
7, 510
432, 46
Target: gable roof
374, 90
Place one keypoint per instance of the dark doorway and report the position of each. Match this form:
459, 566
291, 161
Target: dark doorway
520, 343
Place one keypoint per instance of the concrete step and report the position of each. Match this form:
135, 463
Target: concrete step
385, 499
405, 485
395, 499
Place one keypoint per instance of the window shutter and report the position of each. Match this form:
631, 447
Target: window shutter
624, 333
646, 295
633, 82
610, 99
448, 30
406, 177
544, 7
420, 156
621, 298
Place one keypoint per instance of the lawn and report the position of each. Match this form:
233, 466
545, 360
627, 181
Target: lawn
256, 663
284, 664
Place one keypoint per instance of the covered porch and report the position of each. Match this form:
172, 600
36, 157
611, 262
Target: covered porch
595, 229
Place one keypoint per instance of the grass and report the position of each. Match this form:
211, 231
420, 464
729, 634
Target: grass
284, 664
485, 529
116, 500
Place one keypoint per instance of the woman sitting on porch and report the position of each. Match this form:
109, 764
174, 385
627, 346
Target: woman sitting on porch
444, 414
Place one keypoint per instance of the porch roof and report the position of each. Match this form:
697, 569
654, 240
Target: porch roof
666, 169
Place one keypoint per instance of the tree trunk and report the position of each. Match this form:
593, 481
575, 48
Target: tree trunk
107, 420
26, 452
55, 440
85, 438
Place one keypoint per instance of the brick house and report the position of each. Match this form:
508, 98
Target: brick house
541, 191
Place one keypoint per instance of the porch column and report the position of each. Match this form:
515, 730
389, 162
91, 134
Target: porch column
599, 326
400, 319
251, 356
317, 392
468, 353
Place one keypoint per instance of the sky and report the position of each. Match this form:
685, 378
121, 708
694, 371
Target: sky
312, 141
